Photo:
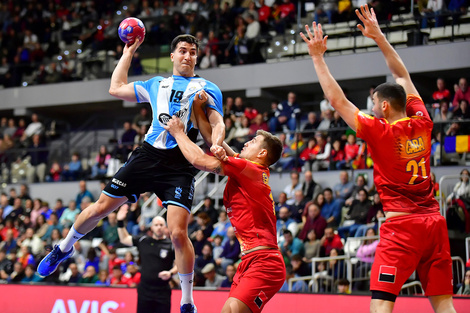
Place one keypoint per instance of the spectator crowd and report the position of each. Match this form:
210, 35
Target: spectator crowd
44, 41
319, 229
313, 141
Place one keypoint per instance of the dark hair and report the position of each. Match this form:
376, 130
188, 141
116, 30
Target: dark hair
272, 144
286, 231
184, 38
365, 191
208, 244
343, 282
462, 173
394, 93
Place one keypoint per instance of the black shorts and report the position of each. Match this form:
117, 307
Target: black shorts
165, 172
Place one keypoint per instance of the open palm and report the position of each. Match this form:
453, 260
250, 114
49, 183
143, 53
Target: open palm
316, 42
371, 28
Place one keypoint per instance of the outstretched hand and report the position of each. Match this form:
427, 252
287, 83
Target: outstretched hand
316, 42
371, 28
174, 125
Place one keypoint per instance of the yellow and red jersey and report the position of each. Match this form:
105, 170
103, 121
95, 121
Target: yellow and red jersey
401, 153
249, 203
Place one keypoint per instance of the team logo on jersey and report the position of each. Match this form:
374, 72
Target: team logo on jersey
414, 145
265, 178
178, 191
163, 118
387, 274
163, 253
419, 113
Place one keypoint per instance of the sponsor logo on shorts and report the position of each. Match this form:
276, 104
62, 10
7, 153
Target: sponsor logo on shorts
178, 191
387, 274
261, 299
191, 191
114, 186
119, 183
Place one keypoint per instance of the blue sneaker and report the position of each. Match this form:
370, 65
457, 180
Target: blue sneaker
188, 308
51, 261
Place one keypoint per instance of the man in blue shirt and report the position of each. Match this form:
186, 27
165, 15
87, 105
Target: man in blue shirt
287, 113
285, 222
82, 194
291, 246
331, 209
344, 188
157, 166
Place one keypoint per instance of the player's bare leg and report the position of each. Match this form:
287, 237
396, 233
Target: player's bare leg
233, 305
442, 304
89, 218
381, 306
178, 219
85, 222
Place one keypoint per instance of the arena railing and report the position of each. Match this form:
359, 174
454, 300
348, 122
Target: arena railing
361, 272
324, 280
467, 248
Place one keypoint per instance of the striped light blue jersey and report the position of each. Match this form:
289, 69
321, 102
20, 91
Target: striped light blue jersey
173, 96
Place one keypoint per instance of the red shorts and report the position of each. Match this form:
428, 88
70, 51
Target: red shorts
259, 276
409, 243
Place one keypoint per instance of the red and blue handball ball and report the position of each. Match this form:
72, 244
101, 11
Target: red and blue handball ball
130, 29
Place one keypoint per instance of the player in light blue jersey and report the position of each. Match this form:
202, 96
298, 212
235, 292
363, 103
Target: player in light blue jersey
158, 165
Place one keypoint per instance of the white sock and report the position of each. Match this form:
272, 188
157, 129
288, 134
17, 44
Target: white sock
72, 237
186, 281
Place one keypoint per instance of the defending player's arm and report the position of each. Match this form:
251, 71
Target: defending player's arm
371, 29
119, 87
316, 48
124, 237
190, 150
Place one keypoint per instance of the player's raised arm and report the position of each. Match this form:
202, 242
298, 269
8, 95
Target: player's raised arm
119, 87
371, 29
333, 92
190, 150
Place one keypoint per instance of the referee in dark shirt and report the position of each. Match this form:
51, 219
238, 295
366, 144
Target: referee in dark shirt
156, 264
